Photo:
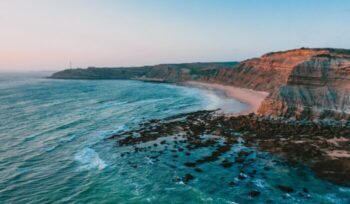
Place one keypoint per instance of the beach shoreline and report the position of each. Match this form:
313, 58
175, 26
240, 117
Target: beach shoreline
252, 99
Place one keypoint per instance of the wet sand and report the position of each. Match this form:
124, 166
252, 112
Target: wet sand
247, 96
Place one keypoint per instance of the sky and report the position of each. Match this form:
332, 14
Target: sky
44, 35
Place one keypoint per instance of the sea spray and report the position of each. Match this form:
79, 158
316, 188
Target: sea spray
89, 159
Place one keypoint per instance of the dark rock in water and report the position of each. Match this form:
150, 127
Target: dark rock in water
254, 193
190, 164
305, 190
252, 173
239, 160
198, 170
215, 155
243, 153
154, 157
285, 189
187, 178
226, 164
336, 170
297, 142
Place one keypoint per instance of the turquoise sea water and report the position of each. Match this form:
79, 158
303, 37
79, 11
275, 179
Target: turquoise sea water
52, 149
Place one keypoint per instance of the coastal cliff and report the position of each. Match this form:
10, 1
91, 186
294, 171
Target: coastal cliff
265, 73
303, 83
316, 87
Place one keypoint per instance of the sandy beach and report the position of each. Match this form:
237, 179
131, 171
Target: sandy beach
251, 98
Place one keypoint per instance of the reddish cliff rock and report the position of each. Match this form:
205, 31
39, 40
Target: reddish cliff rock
267, 72
303, 83
316, 87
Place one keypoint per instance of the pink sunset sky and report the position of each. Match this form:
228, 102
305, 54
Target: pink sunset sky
46, 35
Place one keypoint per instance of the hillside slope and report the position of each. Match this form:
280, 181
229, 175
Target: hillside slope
162, 72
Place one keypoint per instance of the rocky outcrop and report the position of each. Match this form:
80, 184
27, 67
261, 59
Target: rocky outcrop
303, 83
322, 146
317, 87
303, 102
265, 73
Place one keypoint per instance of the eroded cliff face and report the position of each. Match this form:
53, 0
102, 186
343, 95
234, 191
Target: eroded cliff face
303, 83
266, 73
316, 87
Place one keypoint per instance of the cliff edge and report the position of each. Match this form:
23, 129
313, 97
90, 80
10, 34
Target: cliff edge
303, 83
316, 84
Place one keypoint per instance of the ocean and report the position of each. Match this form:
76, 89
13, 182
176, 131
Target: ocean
53, 148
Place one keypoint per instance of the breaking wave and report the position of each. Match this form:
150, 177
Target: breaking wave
89, 159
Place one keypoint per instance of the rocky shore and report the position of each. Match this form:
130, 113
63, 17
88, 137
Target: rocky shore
294, 95
323, 147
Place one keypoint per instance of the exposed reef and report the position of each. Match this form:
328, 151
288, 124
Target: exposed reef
323, 147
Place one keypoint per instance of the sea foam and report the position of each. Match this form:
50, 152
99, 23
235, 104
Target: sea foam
89, 159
